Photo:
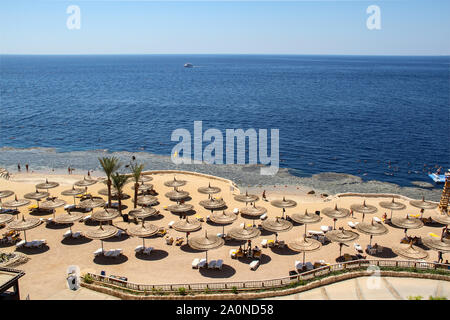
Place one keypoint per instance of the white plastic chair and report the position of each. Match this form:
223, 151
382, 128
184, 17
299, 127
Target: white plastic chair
195, 263
211, 264
139, 248
254, 265
202, 263
219, 264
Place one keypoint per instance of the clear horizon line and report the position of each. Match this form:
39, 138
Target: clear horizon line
266, 54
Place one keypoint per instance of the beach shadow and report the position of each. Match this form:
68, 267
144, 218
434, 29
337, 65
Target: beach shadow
387, 253
58, 226
187, 213
123, 237
265, 233
156, 254
40, 212
33, 251
70, 241
245, 216
226, 272
6, 244
155, 218
124, 197
106, 261
92, 223
235, 243
264, 259
186, 248
286, 251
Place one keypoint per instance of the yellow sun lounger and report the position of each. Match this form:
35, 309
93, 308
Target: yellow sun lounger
431, 234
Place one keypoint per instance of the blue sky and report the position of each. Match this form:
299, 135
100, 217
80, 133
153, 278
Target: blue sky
408, 27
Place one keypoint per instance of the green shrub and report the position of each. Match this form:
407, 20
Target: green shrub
182, 291
87, 278
415, 298
234, 290
437, 298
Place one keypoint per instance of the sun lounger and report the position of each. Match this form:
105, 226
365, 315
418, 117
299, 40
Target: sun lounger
298, 265
98, 252
347, 257
119, 233
379, 249
254, 265
169, 240
116, 252
20, 244
358, 247
67, 234
264, 243
211, 264
242, 225
171, 223
235, 210
309, 266
77, 235
138, 249
86, 218
326, 228
264, 216
376, 219
371, 250
352, 224
233, 253
195, 263
219, 264
270, 243
148, 250
69, 207
109, 253
202, 263
49, 220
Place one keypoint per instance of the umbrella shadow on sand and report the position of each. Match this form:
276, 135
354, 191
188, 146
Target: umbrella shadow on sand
264, 259
285, 251
187, 248
33, 251
70, 241
92, 223
58, 226
387, 253
102, 260
123, 237
235, 243
226, 272
156, 254
41, 212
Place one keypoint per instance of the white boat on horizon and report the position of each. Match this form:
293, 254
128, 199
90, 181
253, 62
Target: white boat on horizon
188, 65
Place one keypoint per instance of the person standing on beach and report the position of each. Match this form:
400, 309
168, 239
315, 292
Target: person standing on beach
26, 166
68, 170
264, 195
440, 259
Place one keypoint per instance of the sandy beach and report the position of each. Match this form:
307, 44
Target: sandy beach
46, 270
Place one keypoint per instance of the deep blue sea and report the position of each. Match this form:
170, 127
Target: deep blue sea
347, 114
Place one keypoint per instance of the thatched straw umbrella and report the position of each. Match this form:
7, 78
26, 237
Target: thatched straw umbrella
407, 223
175, 183
284, 203
143, 187
24, 225
143, 230
177, 195
146, 200
212, 204
69, 218
209, 189
437, 244
36, 196
392, 205
104, 192
72, 193
47, 185
16, 203
342, 236
372, 229
276, 225
144, 178
5, 194
85, 183
101, 233
364, 208
6, 218
246, 233
223, 218
442, 218
410, 252
105, 215
143, 212
52, 204
180, 208
304, 245
306, 218
246, 198
187, 226
205, 243
253, 211
423, 205
336, 213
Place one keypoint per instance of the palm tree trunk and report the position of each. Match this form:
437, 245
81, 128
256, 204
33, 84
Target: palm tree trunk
136, 186
109, 193
120, 203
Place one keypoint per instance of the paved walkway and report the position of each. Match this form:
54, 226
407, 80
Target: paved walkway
80, 294
382, 288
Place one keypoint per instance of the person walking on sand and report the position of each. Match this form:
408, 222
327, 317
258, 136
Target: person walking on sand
18, 167
264, 195
440, 259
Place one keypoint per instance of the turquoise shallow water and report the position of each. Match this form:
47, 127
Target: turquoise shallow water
347, 114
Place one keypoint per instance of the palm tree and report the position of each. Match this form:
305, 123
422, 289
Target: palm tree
119, 181
136, 170
109, 165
